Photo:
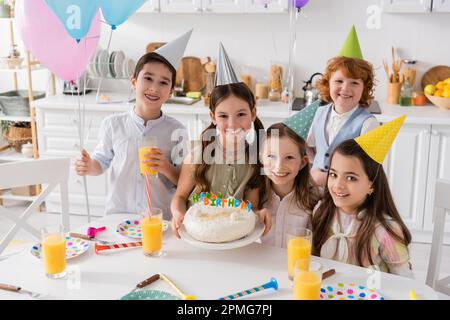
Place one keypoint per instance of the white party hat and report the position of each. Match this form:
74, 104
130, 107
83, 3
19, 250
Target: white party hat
225, 73
173, 51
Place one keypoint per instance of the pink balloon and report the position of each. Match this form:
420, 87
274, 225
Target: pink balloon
45, 37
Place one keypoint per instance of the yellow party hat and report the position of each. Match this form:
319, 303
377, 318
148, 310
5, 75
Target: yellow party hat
377, 142
351, 48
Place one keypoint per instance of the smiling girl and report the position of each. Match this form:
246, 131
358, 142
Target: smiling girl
290, 193
222, 164
357, 221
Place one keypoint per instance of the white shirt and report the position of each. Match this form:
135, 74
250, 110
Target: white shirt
117, 149
285, 215
334, 123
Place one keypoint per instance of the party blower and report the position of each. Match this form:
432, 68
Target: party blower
99, 247
271, 284
179, 292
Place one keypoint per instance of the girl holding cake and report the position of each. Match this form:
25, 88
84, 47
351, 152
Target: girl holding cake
289, 194
357, 221
222, 163
347, 85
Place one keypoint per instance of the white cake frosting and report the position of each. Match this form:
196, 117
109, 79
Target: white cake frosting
218, 224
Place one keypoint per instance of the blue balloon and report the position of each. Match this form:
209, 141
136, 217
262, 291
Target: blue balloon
75, 15
116, 12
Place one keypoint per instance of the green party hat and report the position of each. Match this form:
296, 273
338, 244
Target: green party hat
351, 48
301, 122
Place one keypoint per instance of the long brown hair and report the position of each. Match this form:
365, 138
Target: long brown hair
378, 204
306, 193
351, 68
219, 94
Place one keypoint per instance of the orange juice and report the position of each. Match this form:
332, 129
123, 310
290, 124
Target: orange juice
307, 286
298, 248
143, 166
54, 251
152, 235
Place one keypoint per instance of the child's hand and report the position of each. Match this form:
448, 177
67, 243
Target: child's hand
84, 164
157, 161
177, 221
265, 216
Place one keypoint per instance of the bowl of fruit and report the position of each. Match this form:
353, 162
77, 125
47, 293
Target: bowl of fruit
439, 94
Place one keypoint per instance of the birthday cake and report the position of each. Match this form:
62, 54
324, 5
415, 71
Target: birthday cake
218, 220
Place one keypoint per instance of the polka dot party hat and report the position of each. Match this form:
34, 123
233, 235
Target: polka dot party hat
302, 120
377, 142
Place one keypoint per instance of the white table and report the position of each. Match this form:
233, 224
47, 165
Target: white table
206, 274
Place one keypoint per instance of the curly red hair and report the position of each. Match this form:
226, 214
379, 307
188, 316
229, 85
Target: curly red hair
352, 68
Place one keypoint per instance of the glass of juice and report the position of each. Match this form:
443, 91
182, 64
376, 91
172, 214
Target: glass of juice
145, 154
53, 248
298, 242
307, 282
151, 228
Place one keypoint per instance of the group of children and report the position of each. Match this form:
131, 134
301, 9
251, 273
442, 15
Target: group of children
344, 196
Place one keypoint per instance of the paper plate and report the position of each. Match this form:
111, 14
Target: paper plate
103, 63
150, 295
118, 64
259, 229
132, 228
74, 248
351, 291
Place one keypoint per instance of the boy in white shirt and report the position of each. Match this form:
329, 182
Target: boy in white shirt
120, 136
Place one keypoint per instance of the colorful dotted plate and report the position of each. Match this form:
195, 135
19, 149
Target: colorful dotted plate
74, 248
149, 295
132, 228
342, 291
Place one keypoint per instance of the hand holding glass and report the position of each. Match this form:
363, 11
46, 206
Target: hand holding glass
145, 152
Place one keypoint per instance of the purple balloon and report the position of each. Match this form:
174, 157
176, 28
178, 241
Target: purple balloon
45, 37
300, 3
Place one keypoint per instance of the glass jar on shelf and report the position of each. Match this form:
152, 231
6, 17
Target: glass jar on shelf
406, 94
409, 71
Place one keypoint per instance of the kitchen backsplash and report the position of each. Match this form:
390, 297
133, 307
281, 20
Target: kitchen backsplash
254, 41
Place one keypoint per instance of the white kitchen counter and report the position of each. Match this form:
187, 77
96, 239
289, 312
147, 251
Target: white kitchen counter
266, 109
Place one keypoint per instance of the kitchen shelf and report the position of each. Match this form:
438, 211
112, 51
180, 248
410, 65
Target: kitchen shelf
15, 118
11, 155
22, 69
6, 195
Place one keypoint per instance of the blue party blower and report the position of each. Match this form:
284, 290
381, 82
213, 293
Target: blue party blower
271, 284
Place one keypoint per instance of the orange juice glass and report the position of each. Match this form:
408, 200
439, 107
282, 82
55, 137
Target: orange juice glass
298, 247
307, 282
53, 249
145, 151
151, 229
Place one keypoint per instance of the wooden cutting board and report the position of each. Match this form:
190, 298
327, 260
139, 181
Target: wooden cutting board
152, 46
435, 75
193, 73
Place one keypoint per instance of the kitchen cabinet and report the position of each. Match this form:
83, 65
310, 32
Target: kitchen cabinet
438, 168
181, 6
213, 6
406, 168
275, 6
406, 6
441, 6
150, 6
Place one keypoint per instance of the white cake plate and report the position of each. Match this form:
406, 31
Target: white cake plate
259, 229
